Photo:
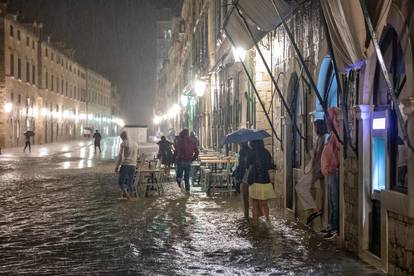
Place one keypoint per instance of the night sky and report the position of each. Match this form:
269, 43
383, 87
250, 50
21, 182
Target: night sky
116, 38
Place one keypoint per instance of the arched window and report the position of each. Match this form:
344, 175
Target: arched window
394, 148
327, 87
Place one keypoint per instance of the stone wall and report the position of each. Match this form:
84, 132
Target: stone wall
400, 245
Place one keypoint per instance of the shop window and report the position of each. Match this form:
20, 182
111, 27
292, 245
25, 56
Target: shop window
394, 149
327, 87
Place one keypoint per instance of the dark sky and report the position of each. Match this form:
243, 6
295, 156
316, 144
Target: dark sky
114, 37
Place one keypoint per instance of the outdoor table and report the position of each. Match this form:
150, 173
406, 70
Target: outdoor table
151, 173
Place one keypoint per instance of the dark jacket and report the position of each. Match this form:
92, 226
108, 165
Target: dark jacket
260, 162
165, 152
97, 136
187, 150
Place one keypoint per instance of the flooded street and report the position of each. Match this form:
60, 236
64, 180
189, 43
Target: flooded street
60, 215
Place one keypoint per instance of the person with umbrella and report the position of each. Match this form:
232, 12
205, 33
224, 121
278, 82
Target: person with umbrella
27, 143
261, 190
246, 163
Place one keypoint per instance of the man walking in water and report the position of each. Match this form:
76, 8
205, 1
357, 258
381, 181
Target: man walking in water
97, 140
127, 159
187, 151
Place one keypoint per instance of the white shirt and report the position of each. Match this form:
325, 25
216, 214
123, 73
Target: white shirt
128, 154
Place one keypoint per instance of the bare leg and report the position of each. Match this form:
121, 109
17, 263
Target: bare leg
256, 211
244, 190
265, 209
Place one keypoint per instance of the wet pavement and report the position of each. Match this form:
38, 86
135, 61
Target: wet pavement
59, 215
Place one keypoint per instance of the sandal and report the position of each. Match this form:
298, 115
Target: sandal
313, 216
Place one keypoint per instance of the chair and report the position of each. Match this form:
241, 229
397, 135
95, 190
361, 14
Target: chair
150, 181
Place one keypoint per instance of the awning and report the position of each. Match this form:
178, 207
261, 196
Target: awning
350, 38
261, 17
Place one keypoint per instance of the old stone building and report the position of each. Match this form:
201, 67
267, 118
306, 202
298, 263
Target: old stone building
98, 103
293, 63
44, 89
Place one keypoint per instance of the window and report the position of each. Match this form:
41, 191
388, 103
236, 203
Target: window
11, 30
46, 52
18, 35
62, 85
19, 99
66, 90
51, 56
328, 86
27, 71
47, 80
52, 82
27, 41
33, 74
19, 68
11, 65
33, 44
12, 97
57, 84
392, 145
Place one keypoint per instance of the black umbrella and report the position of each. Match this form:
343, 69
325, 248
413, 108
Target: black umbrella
29, 133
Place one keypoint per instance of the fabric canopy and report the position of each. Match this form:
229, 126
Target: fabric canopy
346, 25
260, 16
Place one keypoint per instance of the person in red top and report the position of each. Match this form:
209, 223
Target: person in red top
330, 169
186, 152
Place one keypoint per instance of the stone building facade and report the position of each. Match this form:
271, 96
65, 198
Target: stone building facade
376, 205
44, 89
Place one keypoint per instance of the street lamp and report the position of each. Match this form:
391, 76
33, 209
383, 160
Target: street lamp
184, 100
200, 88
239, 53
8, 107
157, 119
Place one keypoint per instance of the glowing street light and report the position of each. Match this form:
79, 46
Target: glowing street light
157, 119
184, 100
200, 88
8, 107
239, 53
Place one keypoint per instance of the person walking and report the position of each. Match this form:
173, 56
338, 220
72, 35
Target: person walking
241, 186
312, 174
126, 165
97, 140
186, 151
27, 141
165, 153
330, 167
259, 163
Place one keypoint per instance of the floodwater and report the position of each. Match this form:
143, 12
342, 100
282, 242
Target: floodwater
59, 215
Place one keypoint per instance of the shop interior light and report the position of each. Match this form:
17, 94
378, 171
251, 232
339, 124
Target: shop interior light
8, 107
378, 123
200, 88
239, 53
